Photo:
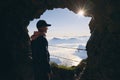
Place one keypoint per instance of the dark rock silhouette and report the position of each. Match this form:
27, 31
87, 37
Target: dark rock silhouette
103, 45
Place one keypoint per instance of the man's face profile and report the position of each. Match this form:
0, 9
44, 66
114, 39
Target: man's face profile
43, 29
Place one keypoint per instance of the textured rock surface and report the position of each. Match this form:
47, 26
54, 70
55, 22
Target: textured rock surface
103, 45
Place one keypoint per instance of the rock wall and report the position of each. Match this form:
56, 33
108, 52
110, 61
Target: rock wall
103, 45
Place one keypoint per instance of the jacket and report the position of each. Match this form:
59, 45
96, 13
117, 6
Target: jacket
40, 53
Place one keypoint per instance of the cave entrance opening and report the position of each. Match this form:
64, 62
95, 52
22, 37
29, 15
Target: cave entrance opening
68, 33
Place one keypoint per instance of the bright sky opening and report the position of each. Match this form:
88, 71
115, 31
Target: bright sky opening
64, 23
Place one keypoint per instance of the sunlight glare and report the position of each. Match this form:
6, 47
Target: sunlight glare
81, 12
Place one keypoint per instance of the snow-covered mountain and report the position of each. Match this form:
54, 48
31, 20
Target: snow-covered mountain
60, 40
66, 49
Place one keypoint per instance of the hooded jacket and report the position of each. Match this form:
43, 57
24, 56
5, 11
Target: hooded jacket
40, 53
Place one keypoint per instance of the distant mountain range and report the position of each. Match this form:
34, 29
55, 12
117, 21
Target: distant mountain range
56, 40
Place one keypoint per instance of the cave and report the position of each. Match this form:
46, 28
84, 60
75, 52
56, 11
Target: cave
102, 47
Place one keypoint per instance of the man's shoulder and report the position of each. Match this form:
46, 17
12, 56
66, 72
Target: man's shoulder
42, 38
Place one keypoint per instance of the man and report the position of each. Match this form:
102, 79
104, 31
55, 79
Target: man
40, 53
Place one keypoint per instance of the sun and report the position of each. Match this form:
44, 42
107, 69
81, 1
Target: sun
81, 12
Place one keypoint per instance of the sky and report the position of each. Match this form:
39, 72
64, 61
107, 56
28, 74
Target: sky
64, 23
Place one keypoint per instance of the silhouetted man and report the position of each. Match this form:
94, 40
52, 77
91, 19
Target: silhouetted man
40, 53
